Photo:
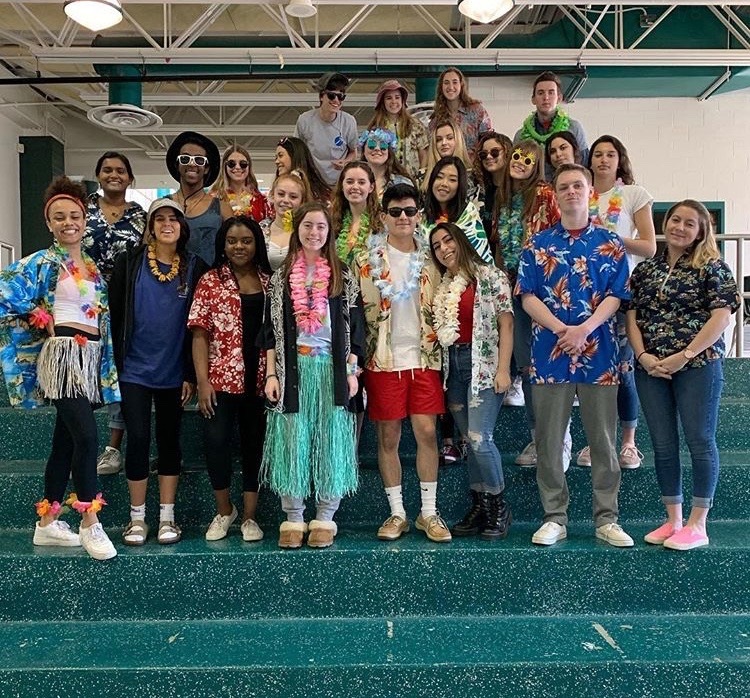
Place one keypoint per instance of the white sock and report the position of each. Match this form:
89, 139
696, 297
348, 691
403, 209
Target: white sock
138, 513
166, 512
428, 490
396, 501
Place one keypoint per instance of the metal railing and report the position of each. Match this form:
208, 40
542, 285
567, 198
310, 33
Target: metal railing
7, 254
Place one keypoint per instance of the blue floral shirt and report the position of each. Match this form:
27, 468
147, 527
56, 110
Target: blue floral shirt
572, 275
25, 285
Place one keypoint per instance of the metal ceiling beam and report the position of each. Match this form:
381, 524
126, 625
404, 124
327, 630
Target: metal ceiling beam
442, 3
656, 23
268, 130
245, 99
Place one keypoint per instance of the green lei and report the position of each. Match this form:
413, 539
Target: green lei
561, 122
345, 252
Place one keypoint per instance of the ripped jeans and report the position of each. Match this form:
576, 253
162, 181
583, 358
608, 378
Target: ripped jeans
475, 417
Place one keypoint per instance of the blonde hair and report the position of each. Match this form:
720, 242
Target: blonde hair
704, 249
432, 152
300, 180
219, 188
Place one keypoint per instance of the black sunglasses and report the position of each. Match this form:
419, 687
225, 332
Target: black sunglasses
340, 96
491, 153
242, 164
197, 160
396, 211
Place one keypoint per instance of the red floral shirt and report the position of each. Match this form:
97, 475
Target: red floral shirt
217, 310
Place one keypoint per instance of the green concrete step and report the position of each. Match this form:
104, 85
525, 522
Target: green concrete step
361, 577
22, 482
441, 657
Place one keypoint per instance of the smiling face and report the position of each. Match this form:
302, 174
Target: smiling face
445, 186
682, 229
605, 160
313, 231
546, 98
286, 195
356, 186
445, 141
393, 102
67, 222
451, 86
240, 246
492, 156
377, 156
331, 101
236, 166
521, 164
445, 249
401, 225
282, 160
165, 226
192, 174
113, 176
561, 153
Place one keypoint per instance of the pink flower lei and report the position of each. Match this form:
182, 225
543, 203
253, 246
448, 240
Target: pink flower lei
309, 301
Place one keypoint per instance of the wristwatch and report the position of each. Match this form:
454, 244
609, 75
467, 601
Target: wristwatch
688, 354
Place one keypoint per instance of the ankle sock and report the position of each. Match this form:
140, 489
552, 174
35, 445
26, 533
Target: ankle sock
166, 512
396, 501
428, 491
138, 513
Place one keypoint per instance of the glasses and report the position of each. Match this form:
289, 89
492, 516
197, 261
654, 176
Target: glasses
197, 160
396, 211
340, 96
493, 153
242, 164
525, 158
374, 144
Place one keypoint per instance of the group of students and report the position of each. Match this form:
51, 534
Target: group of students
417, 275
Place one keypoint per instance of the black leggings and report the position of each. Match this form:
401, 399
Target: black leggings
136, 409
249, 412
74, 447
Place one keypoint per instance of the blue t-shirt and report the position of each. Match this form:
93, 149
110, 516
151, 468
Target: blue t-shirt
572, 275
154, 357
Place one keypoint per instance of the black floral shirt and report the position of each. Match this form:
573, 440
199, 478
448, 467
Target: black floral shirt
673, 306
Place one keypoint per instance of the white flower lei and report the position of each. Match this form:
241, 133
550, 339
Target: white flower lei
445, 307
384, 283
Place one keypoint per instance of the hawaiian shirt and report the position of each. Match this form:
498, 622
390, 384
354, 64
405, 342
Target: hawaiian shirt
471, 223
103, 242
24, 286
513, 233
672, 306
492, 297
572, 275
378, 353
217, 309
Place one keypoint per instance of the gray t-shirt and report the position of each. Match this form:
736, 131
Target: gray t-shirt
327, 141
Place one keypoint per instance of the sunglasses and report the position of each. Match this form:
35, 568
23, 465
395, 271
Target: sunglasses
374, 144
197, 160
396, 211
340, 96
242, 164
493, 153
525, 158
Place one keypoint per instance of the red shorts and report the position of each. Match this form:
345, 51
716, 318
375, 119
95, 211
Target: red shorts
398, 394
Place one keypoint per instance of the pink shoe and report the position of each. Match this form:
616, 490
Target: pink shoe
686, 539
658, 536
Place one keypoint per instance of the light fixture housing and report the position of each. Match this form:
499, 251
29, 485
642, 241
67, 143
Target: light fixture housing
485, 11
301, 8
94, 14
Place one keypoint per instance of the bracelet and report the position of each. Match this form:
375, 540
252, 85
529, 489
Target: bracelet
638, 358
271, 375
351, 369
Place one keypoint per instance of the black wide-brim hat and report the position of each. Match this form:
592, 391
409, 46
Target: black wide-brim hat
212, 153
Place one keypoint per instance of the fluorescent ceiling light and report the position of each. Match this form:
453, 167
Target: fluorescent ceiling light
485, 11
301, 8
94, 14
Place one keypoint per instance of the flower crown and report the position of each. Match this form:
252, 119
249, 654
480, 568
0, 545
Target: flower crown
383, 135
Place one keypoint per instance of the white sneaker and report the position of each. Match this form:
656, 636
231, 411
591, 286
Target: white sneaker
614, 535
251, 531
96, 542
549, 533
567, 450
56, 533
584, 457
219, 527
110, 462
527, 457
514, 395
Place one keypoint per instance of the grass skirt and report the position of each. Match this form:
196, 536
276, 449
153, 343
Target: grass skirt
313, 449
67, 368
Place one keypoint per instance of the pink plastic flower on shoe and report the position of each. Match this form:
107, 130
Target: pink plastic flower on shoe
659, 535
686, 539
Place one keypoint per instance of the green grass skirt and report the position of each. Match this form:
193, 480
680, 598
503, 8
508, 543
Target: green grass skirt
311, 450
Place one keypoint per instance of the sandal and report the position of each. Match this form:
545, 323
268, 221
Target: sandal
135, 533
168, 533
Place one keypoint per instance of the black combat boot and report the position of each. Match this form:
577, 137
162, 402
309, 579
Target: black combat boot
473, 521
498, 517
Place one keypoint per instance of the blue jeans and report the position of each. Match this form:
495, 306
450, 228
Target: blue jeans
627, 396
476, 418
693, 396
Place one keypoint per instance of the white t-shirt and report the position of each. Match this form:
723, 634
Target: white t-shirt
634, 198
406, 325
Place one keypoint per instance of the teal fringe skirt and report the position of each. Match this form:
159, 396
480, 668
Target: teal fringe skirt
311, 450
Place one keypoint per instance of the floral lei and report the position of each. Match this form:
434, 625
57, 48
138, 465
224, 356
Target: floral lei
445, 307
612, 216
89, 310
561, 122
310, 302
346, 248
382, 279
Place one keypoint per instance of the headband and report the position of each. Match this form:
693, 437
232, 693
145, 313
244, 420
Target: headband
57, 197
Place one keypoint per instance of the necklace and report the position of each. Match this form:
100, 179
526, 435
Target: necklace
309, 300
347, 245
154, 267
561, 122
185, 199
112, 212
614, 208
382, 279
445, 307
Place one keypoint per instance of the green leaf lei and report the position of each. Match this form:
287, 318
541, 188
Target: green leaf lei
561, 122
346, 252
